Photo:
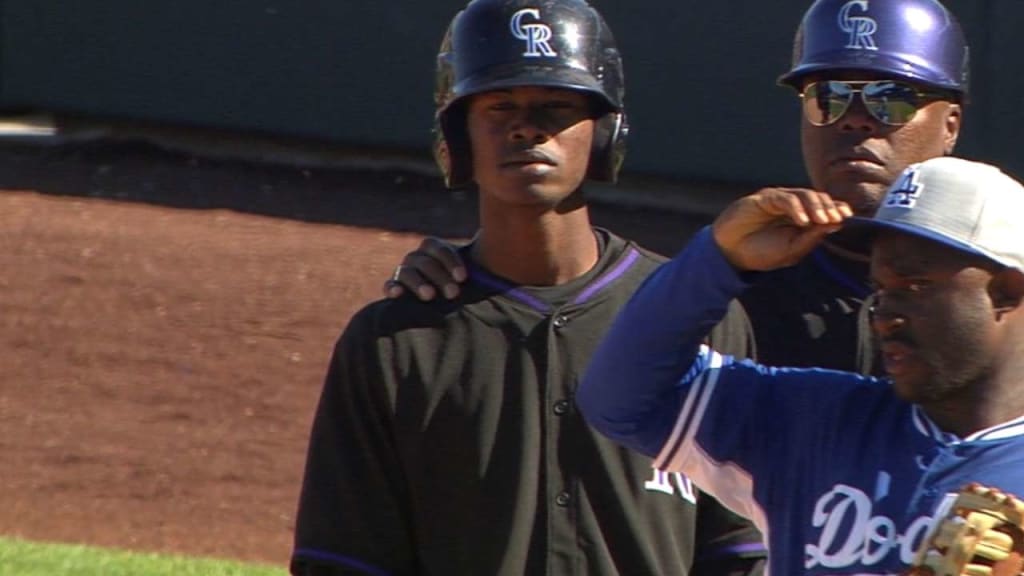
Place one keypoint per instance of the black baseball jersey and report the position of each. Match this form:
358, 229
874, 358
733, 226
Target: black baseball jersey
446, 442
814, 314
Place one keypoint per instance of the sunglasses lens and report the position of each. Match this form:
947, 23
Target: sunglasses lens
893, 103
826, 102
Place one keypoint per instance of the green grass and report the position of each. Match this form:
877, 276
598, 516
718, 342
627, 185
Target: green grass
20, 558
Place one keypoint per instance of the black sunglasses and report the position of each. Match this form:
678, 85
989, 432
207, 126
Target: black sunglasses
890, 102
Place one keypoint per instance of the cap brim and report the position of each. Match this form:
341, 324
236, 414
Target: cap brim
884, 65
861, 222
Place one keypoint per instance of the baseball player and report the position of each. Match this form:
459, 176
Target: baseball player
843, 473
446, 441
882, 84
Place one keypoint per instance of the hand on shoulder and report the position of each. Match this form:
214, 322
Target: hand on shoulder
435, 266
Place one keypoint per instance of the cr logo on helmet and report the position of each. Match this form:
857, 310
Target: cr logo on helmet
535, 35
860, 28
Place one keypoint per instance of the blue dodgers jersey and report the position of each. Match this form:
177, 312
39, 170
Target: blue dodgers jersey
840, 475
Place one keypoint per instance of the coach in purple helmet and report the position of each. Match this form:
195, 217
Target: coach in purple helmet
882, 85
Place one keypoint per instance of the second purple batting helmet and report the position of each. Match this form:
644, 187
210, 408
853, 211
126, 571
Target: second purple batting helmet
916, 40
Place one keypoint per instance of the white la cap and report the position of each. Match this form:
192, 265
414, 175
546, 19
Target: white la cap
967, 205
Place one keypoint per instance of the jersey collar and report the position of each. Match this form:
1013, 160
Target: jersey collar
925, 426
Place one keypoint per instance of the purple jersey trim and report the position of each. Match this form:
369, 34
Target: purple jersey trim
309, 553
509, 290
608, 278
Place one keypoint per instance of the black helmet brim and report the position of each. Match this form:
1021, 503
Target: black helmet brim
518, 75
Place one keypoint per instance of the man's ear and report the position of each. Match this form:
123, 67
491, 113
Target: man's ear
1006, 288
954, 119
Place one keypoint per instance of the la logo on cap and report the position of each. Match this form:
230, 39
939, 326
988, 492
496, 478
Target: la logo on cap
907, 190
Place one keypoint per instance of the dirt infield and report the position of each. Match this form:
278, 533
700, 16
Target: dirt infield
165, 323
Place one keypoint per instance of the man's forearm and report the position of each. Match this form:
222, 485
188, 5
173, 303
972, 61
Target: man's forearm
630, 391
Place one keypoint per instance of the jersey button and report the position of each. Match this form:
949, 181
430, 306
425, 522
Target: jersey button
560, 321
561, 407
563, 499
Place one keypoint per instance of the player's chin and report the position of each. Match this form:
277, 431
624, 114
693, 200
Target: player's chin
863, 195
912, 387
925, 388
547, 193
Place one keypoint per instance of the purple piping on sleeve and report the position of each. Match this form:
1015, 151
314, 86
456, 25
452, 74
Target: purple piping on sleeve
311, 554
736, 550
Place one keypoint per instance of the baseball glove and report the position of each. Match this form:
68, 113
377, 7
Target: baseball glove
980, 535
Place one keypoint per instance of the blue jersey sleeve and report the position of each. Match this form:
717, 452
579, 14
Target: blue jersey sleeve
631, 391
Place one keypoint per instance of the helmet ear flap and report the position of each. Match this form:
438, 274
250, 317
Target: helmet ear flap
442, 155
452, 151
609, 147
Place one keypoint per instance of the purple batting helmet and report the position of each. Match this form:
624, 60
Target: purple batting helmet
916, 40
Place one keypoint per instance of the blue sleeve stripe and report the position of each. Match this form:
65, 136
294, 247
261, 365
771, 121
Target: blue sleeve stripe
704, 376
339, 560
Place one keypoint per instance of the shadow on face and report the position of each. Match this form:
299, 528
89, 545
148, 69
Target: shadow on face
934, 315
857, 155
530, 145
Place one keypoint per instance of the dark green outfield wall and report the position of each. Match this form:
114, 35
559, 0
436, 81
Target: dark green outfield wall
701, 92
